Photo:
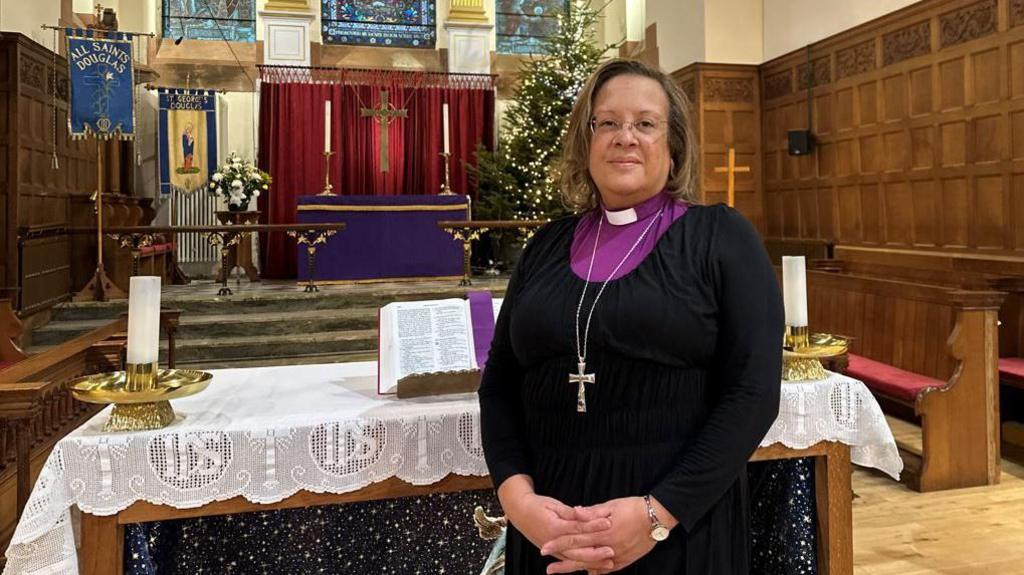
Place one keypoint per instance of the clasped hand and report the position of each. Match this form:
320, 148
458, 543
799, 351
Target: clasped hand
597, 539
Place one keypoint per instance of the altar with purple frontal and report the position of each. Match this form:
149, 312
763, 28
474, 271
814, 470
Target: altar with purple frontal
386, 237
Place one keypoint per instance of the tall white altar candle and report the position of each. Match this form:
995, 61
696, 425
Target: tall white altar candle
446, 143
794, 290
144, 319
327, 125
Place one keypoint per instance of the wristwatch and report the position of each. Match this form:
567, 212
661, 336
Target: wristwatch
658, 531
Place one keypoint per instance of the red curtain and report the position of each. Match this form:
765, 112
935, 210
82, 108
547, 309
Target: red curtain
291, 141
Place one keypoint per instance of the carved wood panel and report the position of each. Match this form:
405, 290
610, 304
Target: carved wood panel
36, 197
727, 115
920, 132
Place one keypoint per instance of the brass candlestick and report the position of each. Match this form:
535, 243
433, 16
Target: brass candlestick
803, 351
327, 174
446, 187
141, 394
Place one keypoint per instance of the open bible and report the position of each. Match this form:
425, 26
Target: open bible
417, 338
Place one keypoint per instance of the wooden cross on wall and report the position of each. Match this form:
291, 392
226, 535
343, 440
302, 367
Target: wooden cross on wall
384, 114
731, 169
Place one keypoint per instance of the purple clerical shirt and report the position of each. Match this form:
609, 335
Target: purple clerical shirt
619, 232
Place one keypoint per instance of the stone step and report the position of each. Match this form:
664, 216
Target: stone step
276, 361
224, 349
283, 298
229, 325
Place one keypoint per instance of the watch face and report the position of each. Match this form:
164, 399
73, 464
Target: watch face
659, 533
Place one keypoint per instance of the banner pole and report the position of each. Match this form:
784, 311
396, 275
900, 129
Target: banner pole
100, 287
150, 34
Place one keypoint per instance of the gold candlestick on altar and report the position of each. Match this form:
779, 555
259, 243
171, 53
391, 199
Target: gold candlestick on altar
803, 351
446, 187
327, 174
141, 394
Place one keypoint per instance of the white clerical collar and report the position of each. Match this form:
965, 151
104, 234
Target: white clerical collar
635, 213
621, 217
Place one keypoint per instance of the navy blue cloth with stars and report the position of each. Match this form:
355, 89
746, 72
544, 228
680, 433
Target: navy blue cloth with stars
432, 534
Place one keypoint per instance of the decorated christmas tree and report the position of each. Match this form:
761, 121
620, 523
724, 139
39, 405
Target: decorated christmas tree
519, 179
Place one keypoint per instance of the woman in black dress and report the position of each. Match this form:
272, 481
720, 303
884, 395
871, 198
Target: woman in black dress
636, 360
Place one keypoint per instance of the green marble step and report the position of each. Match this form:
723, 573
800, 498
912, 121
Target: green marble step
202, 300
193, 350
240, 324
276, 361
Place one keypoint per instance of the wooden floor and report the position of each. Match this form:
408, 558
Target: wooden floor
964, 531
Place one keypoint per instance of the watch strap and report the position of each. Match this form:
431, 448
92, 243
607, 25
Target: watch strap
655, 522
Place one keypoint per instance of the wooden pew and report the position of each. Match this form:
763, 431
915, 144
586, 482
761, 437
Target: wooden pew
999, 272
928, 353
36, 410
10, 331
812, 249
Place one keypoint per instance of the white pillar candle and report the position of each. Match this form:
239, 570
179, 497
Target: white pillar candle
144, 319
446, 143
327, 126
794, 290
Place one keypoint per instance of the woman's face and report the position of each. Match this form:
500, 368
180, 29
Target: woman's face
629, 155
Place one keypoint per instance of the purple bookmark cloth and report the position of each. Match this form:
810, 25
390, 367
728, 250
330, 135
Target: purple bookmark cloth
481, 315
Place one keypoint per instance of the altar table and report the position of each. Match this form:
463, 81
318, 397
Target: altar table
297, 436
387, 237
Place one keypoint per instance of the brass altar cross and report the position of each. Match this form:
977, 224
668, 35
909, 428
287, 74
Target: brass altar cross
581, 378
731, 169
383, 114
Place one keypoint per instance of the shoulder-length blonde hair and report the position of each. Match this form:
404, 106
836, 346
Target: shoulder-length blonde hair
579, 192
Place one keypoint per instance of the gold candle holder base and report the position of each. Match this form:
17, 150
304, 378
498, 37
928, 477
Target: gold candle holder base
803, 351
141, 394
139, 416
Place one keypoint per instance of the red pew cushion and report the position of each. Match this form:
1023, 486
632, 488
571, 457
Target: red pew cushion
889, 380
1012, 367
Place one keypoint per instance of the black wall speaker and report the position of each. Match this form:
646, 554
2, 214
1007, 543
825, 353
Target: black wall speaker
801, 142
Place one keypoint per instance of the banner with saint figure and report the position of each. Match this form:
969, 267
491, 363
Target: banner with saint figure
188, 139
102, 84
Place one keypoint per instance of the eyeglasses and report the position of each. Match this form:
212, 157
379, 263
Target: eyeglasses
646, 128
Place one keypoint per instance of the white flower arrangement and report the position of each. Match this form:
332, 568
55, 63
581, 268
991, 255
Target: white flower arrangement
239, 182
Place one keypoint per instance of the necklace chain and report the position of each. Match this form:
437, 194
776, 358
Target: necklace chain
581, 351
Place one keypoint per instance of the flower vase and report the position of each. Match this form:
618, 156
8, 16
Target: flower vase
242, 207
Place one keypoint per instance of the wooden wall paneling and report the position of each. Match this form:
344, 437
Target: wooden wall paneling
727, 115
919, 116
40, 201
8, 160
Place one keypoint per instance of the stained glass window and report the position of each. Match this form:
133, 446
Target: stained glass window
523, 24
400, 23
233, 20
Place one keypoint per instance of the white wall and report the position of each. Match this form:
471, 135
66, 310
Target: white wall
792, 24
25, 16
733, 31
680, 31
612, 28
636, 24
240, 133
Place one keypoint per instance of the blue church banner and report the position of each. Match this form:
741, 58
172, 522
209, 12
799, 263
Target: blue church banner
102, 84
188, 139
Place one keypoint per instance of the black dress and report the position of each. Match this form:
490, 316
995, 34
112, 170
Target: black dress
686, 349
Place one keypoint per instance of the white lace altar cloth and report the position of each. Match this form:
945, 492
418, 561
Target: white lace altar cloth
266, 433
840, 409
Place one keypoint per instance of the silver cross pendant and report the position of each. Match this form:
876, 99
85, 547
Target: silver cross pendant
581, 378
